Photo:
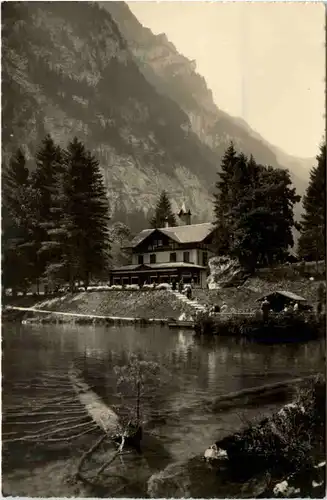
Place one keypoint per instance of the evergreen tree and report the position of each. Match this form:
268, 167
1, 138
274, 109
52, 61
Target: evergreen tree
312, 242
264, 217
163, 212
120, 235
82, 231
45, 183
16, 224
253, 210
222, 202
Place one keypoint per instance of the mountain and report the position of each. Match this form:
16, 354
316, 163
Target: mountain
92, 70
174, 75
66, 70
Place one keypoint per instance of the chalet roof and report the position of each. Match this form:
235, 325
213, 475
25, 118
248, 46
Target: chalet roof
140, 237
192, 233
163, 265
284, 293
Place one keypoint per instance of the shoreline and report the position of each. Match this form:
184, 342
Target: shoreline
58, 317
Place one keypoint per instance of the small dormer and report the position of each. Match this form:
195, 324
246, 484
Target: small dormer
185, 216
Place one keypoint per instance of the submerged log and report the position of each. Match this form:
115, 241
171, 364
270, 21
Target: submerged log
103, 416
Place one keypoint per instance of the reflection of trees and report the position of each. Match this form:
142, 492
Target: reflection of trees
184, 344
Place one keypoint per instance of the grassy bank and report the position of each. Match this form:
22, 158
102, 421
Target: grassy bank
131, 304
243, 298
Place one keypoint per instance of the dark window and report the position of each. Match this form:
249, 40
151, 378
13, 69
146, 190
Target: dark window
186, 256
173, 257
205, 258
159, 243
153, 258
140, 259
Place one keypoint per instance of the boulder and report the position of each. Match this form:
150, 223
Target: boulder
224, 272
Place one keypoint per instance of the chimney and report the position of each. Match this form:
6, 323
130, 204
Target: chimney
185, 216
166, 223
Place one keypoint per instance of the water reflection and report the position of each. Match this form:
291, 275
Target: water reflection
193, 372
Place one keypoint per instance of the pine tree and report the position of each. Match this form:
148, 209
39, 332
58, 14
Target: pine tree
163, 212
82, 231
16, 224
45, 183
222, 203
253, 210
312, 242
264, 217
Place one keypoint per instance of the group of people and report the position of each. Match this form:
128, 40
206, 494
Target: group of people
266, 308
217, 309
181, 287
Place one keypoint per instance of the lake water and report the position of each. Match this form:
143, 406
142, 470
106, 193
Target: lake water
178, 409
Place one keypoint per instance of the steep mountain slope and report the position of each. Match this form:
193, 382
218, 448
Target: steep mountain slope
174, 75
66, 70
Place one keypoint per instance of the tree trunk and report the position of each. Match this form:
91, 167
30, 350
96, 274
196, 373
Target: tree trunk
138, 402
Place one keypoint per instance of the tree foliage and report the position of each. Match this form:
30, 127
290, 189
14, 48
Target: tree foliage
82, 229
55, 224
133, 382
163, 212
45, 185
253, 210
120, 235
16, 224
312, 242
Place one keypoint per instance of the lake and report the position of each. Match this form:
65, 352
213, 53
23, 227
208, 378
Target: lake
178, 404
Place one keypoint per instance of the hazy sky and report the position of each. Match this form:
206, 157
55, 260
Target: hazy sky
264, 62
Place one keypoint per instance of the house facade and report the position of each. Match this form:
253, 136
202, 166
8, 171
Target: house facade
170, 253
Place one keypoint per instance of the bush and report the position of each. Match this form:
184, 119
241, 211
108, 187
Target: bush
132, 287
282, 327
292, 438
163, 286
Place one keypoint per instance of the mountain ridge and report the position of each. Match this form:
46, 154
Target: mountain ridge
211, 123
68, 69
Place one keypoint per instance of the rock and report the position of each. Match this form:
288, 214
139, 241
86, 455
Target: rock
215, 453
172, 482
224, 272
283, 489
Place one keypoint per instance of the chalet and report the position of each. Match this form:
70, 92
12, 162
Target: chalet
280, 299
167, 253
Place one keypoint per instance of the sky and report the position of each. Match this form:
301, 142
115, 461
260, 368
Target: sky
264, 62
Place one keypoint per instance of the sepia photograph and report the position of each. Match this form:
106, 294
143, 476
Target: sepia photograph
163, 202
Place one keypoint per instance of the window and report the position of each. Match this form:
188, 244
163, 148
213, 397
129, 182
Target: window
172, 257
140, 259
205, 258
153, 258
159, 243
186, 256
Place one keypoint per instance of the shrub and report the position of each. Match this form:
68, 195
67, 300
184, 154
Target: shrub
291, 326
286, 442
132, 287
163, 286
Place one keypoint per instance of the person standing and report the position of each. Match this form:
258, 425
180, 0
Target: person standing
224, 308
265, 308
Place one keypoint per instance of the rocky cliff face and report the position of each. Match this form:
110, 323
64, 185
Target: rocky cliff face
67, 70
175, 76
91, 70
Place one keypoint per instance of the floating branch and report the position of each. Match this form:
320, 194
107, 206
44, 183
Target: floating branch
89, 452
